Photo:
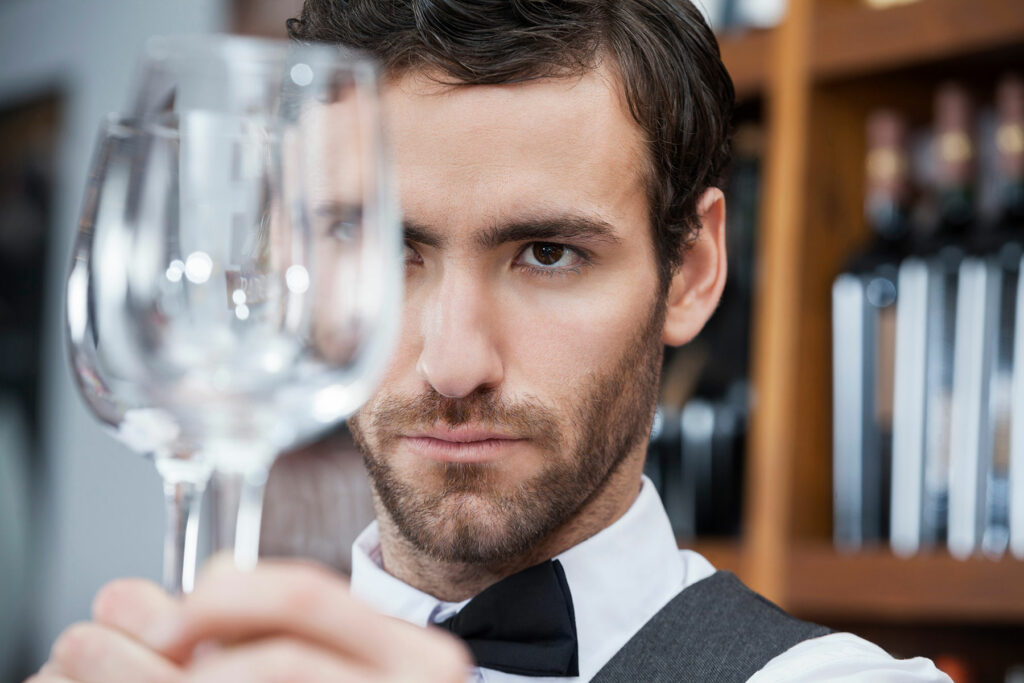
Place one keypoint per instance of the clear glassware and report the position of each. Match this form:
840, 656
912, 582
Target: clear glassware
257, 253
111, 388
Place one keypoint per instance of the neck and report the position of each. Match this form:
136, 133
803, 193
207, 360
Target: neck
457, 581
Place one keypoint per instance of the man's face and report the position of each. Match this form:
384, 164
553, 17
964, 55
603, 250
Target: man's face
527, 366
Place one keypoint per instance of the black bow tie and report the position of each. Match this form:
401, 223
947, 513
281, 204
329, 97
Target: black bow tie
524, 624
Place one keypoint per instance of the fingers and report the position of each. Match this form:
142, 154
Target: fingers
282, 658
276, 659
92, 653
303, 600
306, 603
109, 650
134, 606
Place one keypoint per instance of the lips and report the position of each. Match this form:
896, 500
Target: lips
462, 445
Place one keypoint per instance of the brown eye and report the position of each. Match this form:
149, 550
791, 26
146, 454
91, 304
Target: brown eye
551, 258
548, 254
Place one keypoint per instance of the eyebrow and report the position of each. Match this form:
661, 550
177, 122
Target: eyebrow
547, 229
421, 234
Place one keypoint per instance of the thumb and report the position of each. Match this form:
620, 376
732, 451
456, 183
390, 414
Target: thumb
135, 607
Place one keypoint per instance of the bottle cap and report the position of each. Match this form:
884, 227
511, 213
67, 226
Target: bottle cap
954, 153
1010, 131
887, 158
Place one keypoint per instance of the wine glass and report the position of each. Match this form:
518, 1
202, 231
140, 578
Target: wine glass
258, 257
110, 387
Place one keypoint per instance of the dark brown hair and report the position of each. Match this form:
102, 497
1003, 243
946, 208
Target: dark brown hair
677, 89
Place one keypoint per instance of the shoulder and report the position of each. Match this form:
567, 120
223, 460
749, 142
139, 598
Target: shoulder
845, 657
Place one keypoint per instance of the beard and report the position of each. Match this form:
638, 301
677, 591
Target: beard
469, 512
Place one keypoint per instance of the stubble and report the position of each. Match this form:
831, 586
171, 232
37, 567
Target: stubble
465, 512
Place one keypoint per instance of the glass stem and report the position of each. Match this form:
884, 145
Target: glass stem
250, 516
240, 512
184, 484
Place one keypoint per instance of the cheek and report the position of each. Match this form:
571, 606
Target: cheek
401, 378
560, 340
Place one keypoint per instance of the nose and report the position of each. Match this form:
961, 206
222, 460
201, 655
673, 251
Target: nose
459, 353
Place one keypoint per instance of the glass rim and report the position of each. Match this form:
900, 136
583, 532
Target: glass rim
126, 124
253, 52
159, 125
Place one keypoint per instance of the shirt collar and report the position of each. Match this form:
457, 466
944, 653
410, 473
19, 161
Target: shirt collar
615, 591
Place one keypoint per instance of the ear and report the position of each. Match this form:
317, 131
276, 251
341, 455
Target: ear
698, 282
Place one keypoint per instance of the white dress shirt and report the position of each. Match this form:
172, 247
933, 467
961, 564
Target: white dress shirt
619, 579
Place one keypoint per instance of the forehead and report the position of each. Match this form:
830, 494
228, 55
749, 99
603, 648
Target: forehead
481, 153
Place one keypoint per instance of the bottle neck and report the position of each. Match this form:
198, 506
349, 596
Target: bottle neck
1010, 151
956, 210
889, 219
955, 162
1011, 202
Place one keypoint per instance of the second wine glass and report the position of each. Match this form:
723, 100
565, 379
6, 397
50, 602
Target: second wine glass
112, 388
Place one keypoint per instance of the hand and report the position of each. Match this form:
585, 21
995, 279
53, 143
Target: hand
282, 621
113, 647
292, 621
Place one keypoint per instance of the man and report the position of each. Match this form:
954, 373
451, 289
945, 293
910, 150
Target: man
559, 165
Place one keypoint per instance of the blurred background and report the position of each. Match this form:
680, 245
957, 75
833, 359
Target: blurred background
875, 143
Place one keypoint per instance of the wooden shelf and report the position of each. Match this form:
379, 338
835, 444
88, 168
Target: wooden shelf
876, 585
850, 39
745, 55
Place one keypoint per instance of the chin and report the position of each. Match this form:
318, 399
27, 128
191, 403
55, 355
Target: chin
481, 519
471, 531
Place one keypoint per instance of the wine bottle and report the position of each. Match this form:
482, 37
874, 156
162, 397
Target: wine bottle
1010, 156
864, 336
1006, 237
981, 387
929, 282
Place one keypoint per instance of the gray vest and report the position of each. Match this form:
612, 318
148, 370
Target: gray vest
715, 631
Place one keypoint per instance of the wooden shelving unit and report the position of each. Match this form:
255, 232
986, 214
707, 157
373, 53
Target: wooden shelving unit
816, 76
875, 585
849, 39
